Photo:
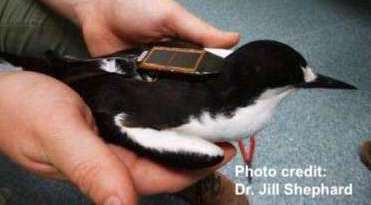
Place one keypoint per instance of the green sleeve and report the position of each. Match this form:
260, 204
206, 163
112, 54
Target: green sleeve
29, 28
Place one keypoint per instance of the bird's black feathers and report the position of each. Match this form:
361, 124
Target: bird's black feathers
172, 100
264, 64
186, 160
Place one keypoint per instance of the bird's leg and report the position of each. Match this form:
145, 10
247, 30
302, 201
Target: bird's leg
248, 154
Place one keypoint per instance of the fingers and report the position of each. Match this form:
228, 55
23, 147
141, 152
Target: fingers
151, 178
101, 41
87, 162
187, 26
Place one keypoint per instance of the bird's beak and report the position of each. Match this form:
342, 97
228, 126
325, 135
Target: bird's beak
322, 81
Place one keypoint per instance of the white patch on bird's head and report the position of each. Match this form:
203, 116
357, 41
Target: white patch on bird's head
111, 66
309, 75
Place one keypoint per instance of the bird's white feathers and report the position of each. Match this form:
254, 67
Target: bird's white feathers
309, 75
219, 51
167, 140
111, 66
197, 135
246, 121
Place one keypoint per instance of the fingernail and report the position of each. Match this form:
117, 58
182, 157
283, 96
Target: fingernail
235, 34
112, 200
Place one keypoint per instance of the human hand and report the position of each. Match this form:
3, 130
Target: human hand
112, 25
46, 127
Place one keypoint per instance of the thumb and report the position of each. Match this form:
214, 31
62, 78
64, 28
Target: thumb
86, 160
188, 26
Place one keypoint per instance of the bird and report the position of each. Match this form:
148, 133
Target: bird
176, 120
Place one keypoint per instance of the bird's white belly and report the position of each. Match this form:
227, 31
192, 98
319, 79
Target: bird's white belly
245, 122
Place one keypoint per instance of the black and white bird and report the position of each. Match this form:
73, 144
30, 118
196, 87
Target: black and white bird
176, 121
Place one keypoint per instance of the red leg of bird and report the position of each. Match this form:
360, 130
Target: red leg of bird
248, 154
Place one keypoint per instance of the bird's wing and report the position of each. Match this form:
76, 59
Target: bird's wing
170, 147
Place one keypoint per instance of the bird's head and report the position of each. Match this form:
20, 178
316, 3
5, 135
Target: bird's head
267, 65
